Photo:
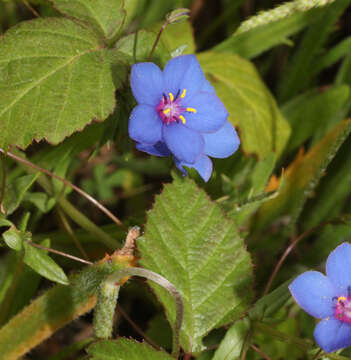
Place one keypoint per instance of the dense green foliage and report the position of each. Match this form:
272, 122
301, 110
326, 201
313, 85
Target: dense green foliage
220, 254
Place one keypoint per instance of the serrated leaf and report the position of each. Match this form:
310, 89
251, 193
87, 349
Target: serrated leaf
54, 80
251, 106
106, 16
302, 176
42, 263
13, 238
189, 242
232, 344
125, 349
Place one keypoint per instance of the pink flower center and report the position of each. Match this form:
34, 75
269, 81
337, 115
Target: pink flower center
343, 309
170, 109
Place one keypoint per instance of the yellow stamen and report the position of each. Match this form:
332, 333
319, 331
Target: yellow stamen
171, 97
341, 298
181, 117
166, 111
191, 110
183, 94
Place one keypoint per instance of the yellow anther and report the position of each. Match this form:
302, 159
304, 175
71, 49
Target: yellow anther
166, 111
183, 94
191, 110
181, 117
171, 97
341, 298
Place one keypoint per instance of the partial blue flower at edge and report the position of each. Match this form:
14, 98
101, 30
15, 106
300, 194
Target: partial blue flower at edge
179, 114
328, 298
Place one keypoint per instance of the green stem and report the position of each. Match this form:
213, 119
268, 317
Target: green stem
104, 312
115, 277
80, 219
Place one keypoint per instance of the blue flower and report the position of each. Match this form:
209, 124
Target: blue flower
179, 114
328, 298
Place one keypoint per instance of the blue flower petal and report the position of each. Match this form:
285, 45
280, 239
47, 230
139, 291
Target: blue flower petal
158, 149
332, 334
314, 292
207, 87
145, 125
183, 72
222, 143
210, 115
147, 83
338, 268
185, 144
203, 166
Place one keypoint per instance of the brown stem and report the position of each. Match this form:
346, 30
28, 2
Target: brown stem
59, 253
157, 39
3, 179
68, 183
260, 352
30, 8
287, 252
68, 228
245, 346
137, 328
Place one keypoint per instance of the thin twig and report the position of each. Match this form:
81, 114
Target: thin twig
3, 178
137, 328
287, 252
260, 352
135, 46
157, 39
61, 253
68, 183
30, 8
70, 231
245, 346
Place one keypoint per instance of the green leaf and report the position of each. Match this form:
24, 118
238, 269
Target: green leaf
13, 238
42, 263
320, 108
125, 349
189, 242
297, 74
16, 190
257, 180
251, 106
175, 36
51, 311
232, 344
252, 43
54, 81
144, 42
106, 16
271, 303
41, 200
302, 176
337, 182
4, 221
